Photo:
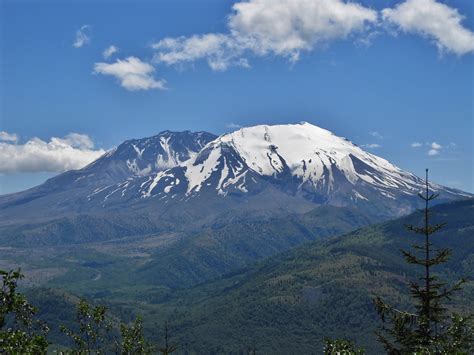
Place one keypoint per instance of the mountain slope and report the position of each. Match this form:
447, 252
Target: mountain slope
228, 246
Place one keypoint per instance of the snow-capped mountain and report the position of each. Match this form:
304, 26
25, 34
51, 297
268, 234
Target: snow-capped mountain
182, 182
301, 160
132, 158
271, 168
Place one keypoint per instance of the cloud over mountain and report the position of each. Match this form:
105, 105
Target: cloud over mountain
73, 151
8, 137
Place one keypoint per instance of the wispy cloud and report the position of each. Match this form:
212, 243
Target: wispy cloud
220, 51
73, 151
434, 20
372, 145
435, 148
109, 51
233, 125
376, 134
132, 74
8, 137
83, 36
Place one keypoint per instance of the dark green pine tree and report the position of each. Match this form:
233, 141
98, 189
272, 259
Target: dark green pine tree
429, 329
167, 348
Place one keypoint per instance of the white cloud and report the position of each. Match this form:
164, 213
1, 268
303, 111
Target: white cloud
372, 145
283, 28
109, 51
434, 20
74, 151
77, 140
287, 27
132, 73
8, 137
83, 36
220, 51
233, 125
435, 148
376, 135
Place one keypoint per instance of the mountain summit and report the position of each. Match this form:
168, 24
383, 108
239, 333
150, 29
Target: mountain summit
300, 160
269, 168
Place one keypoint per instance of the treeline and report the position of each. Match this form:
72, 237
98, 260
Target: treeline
428, 328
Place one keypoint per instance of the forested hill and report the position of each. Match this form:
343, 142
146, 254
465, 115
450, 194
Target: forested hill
290, 302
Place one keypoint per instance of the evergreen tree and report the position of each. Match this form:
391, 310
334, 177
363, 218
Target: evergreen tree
167, 348
429, 329
20, 333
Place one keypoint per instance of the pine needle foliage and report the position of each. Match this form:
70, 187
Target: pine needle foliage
167, 348
429, 329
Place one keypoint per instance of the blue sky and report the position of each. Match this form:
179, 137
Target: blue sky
376, 72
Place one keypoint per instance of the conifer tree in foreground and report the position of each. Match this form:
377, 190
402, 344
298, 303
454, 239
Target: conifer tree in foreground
167, 348
429, 329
